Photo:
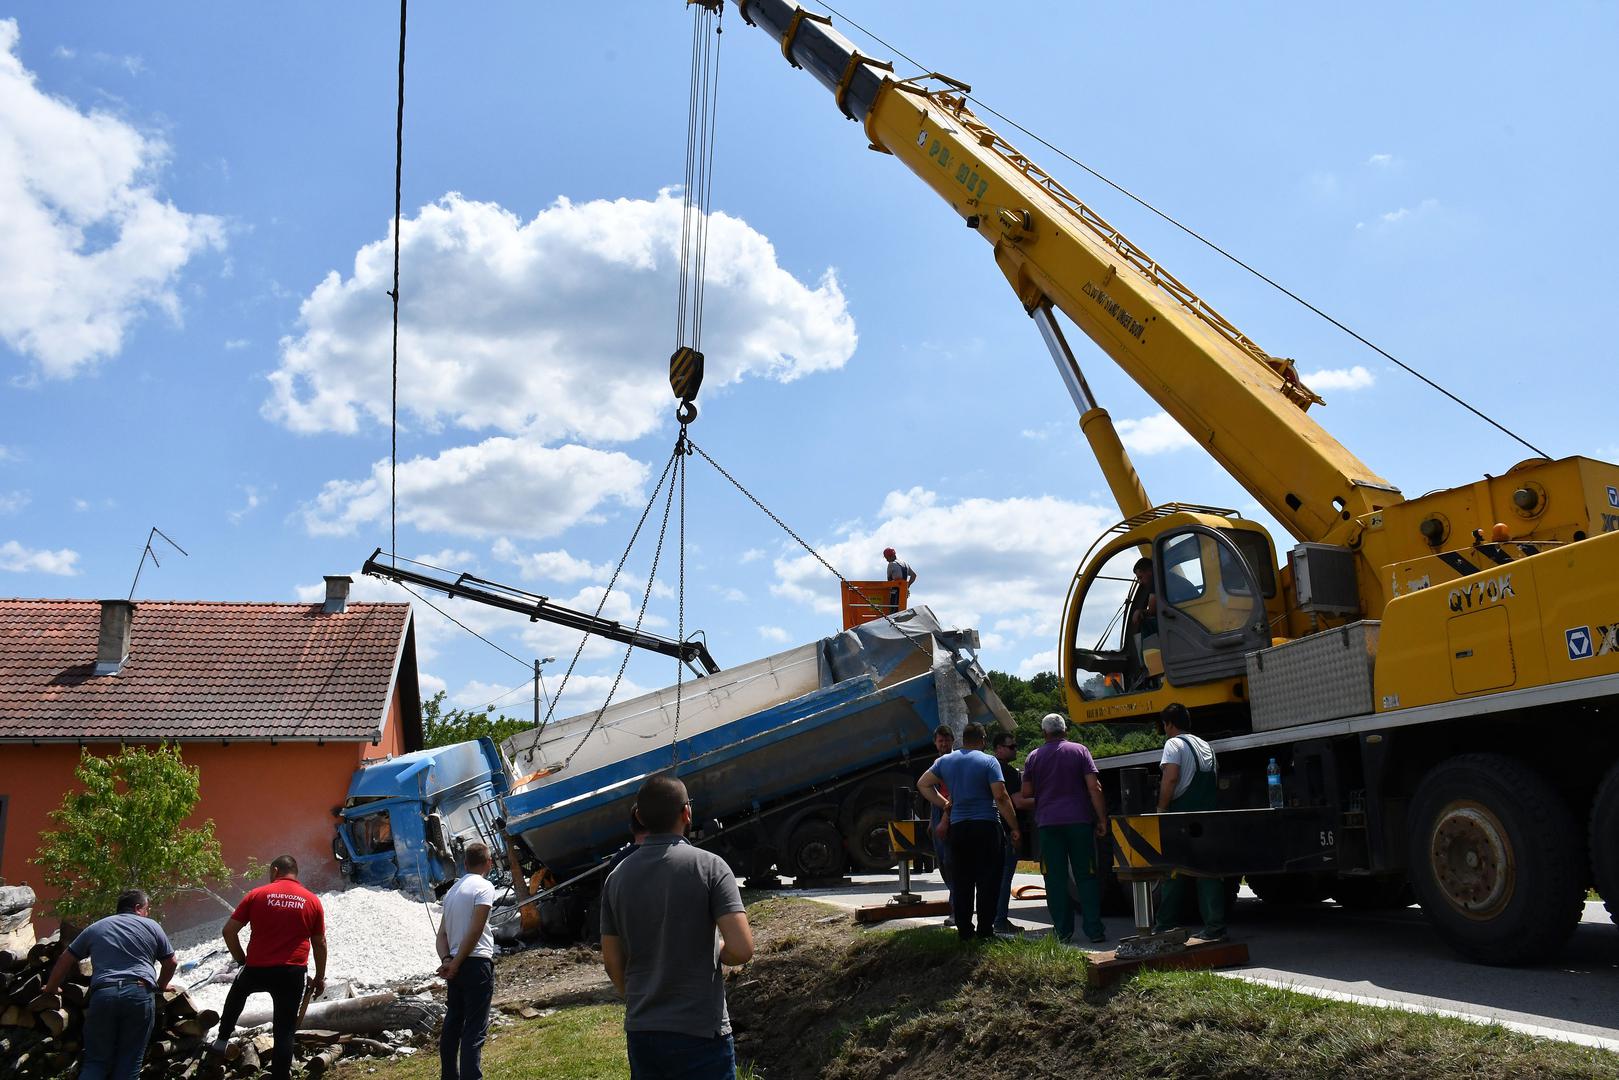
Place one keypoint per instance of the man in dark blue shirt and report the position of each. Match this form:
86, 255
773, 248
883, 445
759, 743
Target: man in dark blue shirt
123, 949
977, 794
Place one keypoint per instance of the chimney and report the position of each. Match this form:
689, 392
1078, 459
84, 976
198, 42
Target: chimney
112, 648
337, 594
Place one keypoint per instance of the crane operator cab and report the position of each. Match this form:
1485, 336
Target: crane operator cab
1166, 608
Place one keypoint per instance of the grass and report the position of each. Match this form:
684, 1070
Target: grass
581, 1043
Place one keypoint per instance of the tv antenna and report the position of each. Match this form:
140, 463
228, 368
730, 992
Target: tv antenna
149, 553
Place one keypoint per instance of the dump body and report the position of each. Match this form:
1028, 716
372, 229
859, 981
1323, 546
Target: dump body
793, 726
407, 818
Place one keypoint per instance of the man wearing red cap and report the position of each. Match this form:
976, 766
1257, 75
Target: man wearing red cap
897, 571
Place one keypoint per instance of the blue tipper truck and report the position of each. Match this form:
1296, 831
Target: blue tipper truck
791, 762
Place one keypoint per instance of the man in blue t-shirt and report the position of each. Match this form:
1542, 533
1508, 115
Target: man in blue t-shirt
125, 951
977, 796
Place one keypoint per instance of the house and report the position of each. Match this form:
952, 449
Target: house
275, 704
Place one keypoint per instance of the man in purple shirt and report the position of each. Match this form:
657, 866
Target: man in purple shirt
1061, 786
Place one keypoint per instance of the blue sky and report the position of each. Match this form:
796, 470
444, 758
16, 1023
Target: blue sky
194, 248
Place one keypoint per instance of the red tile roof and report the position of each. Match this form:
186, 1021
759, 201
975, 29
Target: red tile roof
200, 670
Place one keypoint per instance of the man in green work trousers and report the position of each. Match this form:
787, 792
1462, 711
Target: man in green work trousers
1189, 783
1061, 785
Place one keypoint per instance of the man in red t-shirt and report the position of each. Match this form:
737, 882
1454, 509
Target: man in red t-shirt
288, 924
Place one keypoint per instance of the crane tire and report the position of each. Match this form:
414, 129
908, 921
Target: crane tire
1604, 840
1494, 856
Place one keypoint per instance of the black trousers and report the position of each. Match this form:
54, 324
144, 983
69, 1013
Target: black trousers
975, 874
285, 985
466, 1020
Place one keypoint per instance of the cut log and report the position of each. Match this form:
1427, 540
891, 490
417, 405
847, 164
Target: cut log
355, 1044
248, 1061
178, 1005
22, 991
52, 1020
75, 995
15, 1016
372, 1014
45, 951
317, 1065
196, 1026
13, 957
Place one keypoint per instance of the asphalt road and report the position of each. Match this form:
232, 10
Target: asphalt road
1388, 958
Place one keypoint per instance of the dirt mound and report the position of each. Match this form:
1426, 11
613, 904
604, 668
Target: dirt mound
823, 998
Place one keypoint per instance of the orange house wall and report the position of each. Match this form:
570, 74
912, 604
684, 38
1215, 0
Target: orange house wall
264, 799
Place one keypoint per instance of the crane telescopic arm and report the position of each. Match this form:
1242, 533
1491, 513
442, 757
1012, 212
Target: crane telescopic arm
1244, 406
541, 609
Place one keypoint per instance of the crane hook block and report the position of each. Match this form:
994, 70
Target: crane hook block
686, 373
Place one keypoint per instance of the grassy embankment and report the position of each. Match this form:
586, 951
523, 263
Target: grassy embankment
822, 999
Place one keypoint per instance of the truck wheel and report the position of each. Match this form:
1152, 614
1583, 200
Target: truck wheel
1289, 890
1604, 834
1494, 856
868, 839
1382, 893
815, 850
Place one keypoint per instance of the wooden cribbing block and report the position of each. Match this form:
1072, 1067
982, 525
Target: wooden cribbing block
1106, 968
877, 913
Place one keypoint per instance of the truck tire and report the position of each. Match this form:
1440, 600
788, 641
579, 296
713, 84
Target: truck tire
1386, 892
869, 850
1604, 839
1290, 890
814, 851
1495, 859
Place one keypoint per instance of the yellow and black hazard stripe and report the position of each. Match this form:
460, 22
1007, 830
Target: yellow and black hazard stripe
686, 373
1138, 843
909, 838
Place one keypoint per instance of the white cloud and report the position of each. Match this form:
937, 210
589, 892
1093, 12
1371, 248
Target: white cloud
579, 294
1350, 378
433, 630
585, 693
253, 500
1040, 434
1404, 214
7, 454
81, 505
731, 594
1381, 161
621, 606
499, 486
1155, 434
1040, 661
237, 343
774, 634
21, 560
549, 565
13, 501
978, 561
430, 684
751, 555
475, 695
87, 246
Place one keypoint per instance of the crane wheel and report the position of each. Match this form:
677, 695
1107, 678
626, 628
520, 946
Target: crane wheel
1604, 834
814, 851
1494, 856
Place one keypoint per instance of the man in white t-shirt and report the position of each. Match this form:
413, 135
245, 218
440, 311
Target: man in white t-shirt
468, 967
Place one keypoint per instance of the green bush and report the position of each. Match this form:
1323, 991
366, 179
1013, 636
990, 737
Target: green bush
123, 830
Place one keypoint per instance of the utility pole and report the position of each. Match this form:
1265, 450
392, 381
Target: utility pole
538, 685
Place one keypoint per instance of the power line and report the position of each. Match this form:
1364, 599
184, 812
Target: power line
399, 173
1200, 238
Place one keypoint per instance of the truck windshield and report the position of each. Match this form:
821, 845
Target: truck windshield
372, 834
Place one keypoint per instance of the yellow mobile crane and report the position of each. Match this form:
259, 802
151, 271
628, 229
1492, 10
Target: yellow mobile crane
1419, 669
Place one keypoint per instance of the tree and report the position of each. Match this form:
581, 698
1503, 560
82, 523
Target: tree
1028, 700
442, 727
124, 830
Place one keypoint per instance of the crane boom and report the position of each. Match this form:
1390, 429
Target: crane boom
1244, 406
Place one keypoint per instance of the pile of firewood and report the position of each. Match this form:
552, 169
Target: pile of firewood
41, 1036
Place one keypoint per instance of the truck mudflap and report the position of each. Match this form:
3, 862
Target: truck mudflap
1225, 843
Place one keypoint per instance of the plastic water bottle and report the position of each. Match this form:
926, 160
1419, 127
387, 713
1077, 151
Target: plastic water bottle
1273, 784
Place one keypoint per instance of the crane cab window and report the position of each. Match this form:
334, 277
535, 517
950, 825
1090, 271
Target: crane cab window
1204, 581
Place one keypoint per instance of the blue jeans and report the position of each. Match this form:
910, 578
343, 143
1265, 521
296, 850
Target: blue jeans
672, 1055
466, 1020
117, 1027
1009, 853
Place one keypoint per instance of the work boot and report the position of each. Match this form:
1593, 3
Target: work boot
949, 922
1007, 926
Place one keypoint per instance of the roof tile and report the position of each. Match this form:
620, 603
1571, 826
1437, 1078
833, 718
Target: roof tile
199, 670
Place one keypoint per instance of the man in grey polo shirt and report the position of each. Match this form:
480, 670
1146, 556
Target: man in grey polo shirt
126, 950
660, 909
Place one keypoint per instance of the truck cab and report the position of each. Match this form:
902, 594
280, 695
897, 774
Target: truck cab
406, 819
